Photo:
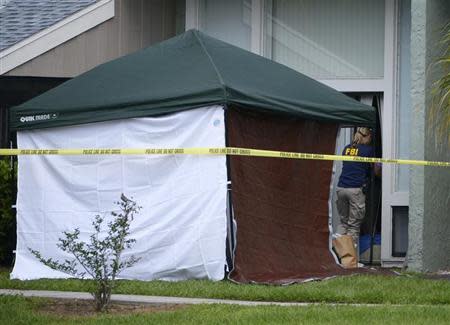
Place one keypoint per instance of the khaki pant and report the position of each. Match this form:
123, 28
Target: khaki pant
351, 205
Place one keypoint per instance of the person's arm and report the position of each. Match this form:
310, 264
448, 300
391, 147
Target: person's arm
376, 166
377, 169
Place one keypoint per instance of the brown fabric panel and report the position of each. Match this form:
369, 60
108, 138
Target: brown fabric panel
281, 205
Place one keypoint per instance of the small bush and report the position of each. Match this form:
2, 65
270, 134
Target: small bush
101, 258
7, 218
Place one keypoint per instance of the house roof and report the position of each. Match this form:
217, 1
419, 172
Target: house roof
185, 72
20, 19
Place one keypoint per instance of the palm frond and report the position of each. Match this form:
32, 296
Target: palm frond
439, 113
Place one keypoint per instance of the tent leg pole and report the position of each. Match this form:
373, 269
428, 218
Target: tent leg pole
230, 242
373, 213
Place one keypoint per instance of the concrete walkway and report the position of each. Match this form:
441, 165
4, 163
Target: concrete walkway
142, 299
160, 299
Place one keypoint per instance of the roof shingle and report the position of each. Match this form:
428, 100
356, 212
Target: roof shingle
20, 19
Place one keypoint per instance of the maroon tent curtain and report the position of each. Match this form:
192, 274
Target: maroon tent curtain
281, 205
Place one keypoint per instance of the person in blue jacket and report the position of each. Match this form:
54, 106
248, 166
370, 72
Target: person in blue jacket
351, 197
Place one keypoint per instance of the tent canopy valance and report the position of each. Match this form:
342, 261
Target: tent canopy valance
188, 71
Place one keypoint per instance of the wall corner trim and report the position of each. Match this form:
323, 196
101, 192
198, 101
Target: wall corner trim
55, 35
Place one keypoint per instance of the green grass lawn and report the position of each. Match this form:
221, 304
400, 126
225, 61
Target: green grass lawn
20, 310
412, 289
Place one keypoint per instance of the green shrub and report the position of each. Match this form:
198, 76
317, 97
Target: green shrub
7, 216
439, 116
101, 257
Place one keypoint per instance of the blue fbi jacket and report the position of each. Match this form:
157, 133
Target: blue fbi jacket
355, 174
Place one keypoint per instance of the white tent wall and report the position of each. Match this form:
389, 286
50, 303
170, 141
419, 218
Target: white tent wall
181, 228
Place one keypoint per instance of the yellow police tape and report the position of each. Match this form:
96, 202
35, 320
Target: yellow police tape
217, 151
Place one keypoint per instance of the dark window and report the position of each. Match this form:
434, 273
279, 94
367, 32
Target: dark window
399, 231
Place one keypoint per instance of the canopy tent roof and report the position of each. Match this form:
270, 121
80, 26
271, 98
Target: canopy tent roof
188, 71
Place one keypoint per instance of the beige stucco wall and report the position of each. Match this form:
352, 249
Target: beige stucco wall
136, 24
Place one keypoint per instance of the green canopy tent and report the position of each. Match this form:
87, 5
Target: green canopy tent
280, 205
187, 71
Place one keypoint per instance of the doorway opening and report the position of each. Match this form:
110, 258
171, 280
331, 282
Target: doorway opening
370, 235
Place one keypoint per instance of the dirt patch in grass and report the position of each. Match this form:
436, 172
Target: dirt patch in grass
86, 308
